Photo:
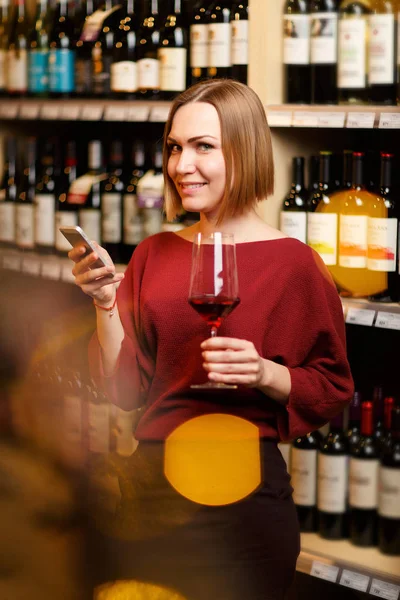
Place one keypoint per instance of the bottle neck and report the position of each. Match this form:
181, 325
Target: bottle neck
176, 6
298, 172
386, 170
62, 8
325, 168
396, 424
358, 170
336, 425
387, 417
367, 419
355, 409
95, 156
19, 9
313, 173
130, 7
347, 168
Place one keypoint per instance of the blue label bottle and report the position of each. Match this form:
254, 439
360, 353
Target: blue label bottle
62, 71
38, 71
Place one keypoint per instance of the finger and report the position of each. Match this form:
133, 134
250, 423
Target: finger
231, 368
95, 286
223, 343
89, 276
76, 253
247, 379
227, 356
101, 250
86, 263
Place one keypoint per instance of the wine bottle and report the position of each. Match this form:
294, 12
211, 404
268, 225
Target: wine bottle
87, 29
296, 52
103, 48
133, 231
332, 482
17, 56
25, 205
199, 43
294, 211
62, 52
389, 493
4, 27
86, 191
322, 218
111, 204
45, 198
363, 482
304, 479
219, 39
8, 195
240, 40
383, 232
324, 24
353, 52
378, 400
347, 180
66, 212
147, 53
382, 59
124, 79
386, 440
38, 56
313, 174
353, 429
172, 53
150, 193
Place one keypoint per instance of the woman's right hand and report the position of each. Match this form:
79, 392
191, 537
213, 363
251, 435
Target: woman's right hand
100, 284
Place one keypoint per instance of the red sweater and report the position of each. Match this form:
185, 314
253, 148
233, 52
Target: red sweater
289, 309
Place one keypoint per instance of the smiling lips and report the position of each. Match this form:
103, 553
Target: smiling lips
191, 186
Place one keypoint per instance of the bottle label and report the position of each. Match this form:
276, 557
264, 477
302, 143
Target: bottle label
381, 49
99, 427
62, 70
286, 451
240, 42
7, 222
304, 476
148, 74
38, 71
3, 69
101, 63
17, 71
296, 39
44, 219
389, 493
133, 225
94, 23
124, 76
352, 55
83, 75
150, 193
324, 38
90, 221
363, 483
353, 241
332, 483
172, 69
199, 46
219, 39
64, 219
25, 226
382, 238
294, 224
152, 221
111, 231
80, 188
322, 236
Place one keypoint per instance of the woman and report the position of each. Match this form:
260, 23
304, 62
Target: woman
284, 346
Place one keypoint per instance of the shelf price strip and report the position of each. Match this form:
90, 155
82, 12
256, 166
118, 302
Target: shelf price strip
388, 320
389, 121
323, 571
383, 589
360, 120
353, 580
360, 316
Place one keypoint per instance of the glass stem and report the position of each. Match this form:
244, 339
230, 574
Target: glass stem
214, 331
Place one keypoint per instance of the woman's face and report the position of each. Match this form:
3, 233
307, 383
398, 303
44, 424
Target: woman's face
196, 164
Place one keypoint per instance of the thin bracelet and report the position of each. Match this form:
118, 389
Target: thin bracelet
109, 309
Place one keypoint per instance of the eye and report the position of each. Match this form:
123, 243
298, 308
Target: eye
174, 148
204, 147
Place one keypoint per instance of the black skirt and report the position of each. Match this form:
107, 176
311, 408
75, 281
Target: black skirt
242, 551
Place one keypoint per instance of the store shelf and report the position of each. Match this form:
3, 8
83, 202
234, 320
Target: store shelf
371, 314
84, 110
363, 569
334, 117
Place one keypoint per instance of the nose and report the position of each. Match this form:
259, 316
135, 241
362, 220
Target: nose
186, 163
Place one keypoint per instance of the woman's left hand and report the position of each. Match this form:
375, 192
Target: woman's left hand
230, 360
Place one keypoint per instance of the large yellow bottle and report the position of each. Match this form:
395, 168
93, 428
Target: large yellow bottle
354, 207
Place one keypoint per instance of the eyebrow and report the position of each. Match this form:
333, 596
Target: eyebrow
194, 139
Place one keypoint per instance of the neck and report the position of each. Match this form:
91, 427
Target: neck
245, 228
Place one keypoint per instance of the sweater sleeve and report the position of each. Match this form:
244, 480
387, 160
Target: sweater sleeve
321, 381
128, 384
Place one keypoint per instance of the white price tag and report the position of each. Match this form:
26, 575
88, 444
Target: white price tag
92, 112
115, 113
9, 110
388, 320
70, 112
389, 121
353, 580
31, 265
50, 111
137, 113
66, 271
360, 120
29, 110
280, 118
305, 119
331, 119
12, 261
323, 571
51, 268
360, 316
159, 114
382, 589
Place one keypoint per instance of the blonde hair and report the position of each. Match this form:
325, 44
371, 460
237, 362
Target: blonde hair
246, 145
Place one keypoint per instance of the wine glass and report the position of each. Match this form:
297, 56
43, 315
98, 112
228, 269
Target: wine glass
214, 288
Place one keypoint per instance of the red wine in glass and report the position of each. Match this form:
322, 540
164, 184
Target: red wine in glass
214, 289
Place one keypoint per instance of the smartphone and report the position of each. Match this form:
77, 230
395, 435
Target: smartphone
77, 237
